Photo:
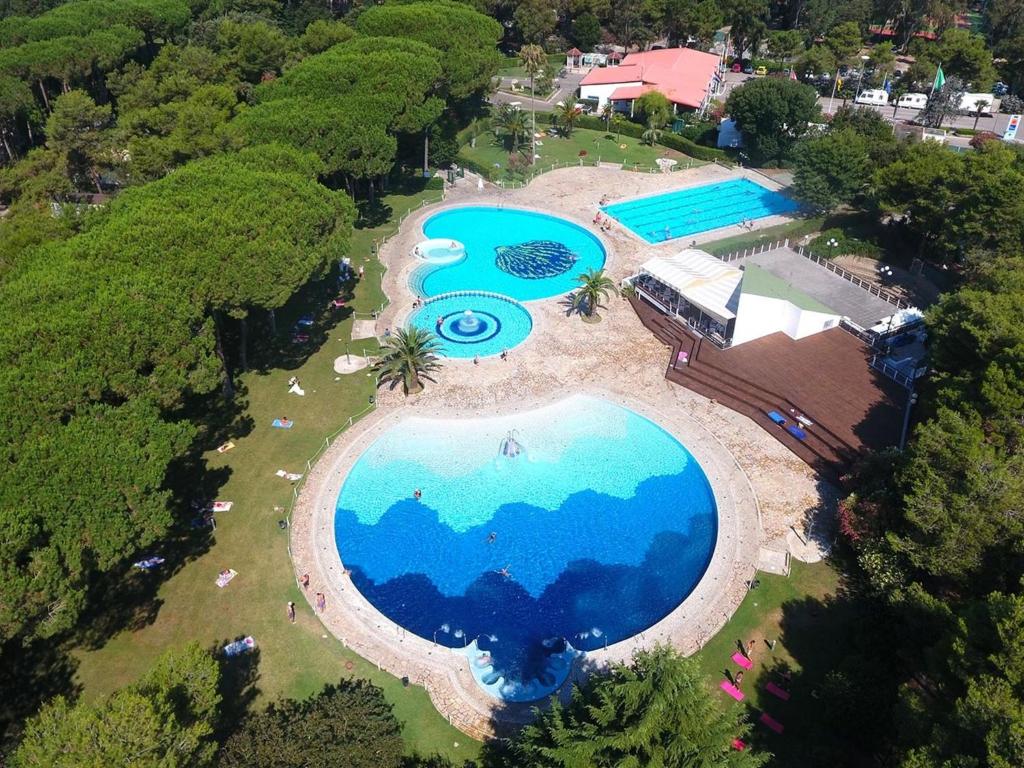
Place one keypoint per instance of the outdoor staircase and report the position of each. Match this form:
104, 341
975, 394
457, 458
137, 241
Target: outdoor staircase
822, 450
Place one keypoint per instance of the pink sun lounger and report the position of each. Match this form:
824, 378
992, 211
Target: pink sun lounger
774, 690
738, 745
771, 722
731, 689
742, 660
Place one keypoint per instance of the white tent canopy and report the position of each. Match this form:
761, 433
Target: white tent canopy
701, 279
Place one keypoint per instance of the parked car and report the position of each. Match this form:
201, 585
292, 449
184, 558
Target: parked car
1000, 89
761, 71
737, 67
748, 69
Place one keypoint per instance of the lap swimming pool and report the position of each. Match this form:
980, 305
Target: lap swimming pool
698, 209
537, 535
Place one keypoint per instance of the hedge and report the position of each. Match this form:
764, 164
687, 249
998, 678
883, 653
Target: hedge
670, 140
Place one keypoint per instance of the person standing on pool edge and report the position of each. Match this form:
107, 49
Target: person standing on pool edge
417, 494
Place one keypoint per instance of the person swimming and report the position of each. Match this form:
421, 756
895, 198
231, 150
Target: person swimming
504, 572
417, 494
491, 537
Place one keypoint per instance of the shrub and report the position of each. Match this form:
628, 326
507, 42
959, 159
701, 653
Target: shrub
1011, 105
844, 245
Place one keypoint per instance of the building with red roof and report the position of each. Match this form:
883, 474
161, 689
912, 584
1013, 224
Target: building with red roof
687, 77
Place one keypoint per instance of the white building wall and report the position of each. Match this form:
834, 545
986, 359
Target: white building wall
602, 92
758, 316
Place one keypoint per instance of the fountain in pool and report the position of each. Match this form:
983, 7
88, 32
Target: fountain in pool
468, 323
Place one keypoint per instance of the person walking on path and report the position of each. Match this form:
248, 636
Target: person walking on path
750, 649
305, 581
291, 611
321, 602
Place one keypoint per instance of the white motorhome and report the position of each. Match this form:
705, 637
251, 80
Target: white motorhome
877, 97
913, 101
973, 103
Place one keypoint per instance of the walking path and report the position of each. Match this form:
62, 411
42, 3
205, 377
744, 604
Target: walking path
761, 489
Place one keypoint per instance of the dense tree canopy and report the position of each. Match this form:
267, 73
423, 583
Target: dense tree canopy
772, 114
655, 712
349, 724
165, 720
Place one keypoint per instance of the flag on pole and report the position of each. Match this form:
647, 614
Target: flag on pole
839, 82
792, 74
940, 79
887, 86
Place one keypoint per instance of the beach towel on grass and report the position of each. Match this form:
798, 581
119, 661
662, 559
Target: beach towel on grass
774, 690
292, 476
742, 660
731, 689
239, 647
222, 506
149, 563
277, 423
226, 447
224, 578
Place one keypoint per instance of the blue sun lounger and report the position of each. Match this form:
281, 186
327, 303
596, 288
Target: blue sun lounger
796, 432
777, 418
282, 424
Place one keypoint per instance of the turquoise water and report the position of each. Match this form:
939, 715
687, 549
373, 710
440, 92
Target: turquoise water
698, 209
521, 254
495, 324
598, 529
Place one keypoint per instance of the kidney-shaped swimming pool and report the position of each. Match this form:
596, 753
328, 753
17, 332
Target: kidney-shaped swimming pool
571, 526
522, 254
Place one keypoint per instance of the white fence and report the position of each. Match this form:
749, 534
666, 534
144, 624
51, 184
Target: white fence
871, 288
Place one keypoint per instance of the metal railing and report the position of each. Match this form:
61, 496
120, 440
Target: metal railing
469, 292
297, 488
892, 372
727, 257
594, 162
871, 288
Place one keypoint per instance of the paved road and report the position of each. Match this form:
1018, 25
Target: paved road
567, 87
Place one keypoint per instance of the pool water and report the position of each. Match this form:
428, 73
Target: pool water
599, 527
698, 209
495, 323
521, 254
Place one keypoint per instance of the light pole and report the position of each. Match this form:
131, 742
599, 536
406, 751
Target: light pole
906, 419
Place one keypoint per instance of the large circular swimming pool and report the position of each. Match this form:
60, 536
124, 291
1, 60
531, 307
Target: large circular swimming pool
521, 254
535, 535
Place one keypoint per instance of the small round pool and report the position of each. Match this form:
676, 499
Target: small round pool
439, 251
521, 254
471, 323
537, 535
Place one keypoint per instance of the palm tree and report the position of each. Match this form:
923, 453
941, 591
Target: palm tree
511, 121
533, 58
617, 121
409, 354
595, 286
567, 114
652, 134
606, 114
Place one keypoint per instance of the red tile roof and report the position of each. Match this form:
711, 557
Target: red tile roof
682, 74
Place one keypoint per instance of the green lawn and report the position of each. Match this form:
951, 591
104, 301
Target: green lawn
789, 612
598, 145
790, 229
294, 660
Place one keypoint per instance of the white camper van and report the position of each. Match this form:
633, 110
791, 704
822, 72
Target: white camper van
913, 101
877, 98
970, 103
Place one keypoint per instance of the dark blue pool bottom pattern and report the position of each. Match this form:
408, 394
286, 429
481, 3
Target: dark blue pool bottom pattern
590, 604
699, 209
535, 260
488, 327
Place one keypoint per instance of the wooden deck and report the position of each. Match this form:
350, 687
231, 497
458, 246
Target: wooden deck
826, 377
